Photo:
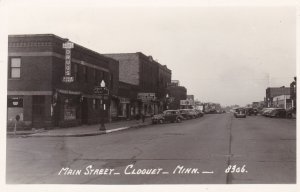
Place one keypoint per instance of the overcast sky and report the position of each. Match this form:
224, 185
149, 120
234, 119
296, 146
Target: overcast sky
226, 54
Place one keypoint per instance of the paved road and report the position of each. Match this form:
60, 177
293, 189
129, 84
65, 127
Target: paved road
197, 151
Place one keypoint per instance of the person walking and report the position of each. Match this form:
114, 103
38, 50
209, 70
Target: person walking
143, 117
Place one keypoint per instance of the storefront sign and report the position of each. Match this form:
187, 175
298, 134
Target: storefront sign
101, 90
186, 102
146, 96
124, 100
15, 102
67, 78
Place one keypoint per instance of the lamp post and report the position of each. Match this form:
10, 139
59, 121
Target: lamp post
167, 101
102, 106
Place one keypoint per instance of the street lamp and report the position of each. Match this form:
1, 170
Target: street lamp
167, 100
102, 106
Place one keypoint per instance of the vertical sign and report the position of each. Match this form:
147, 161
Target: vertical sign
68, 46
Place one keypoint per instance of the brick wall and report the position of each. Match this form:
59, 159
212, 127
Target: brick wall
128, 67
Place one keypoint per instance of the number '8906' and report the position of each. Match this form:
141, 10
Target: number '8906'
236, 169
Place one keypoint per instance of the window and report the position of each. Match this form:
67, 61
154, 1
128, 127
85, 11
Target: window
76, 72
95, 76
15, 68
111, 81
85, 73
94, 103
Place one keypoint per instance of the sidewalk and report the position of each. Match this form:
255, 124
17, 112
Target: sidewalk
84, 130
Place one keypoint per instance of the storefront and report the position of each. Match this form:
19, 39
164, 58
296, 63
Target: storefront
124, 108
67, 108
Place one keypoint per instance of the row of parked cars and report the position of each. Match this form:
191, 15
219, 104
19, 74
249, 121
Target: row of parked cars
176, 115
278, 112
267, 112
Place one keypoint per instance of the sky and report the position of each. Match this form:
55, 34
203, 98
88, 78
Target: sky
223, 54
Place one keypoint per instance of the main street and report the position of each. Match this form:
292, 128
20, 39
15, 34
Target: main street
263, 150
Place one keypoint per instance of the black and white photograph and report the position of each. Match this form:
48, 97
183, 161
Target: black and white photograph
152, 94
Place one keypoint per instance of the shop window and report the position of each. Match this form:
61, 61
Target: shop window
15, 68
94, 103
97, 104
76, 72
69, 109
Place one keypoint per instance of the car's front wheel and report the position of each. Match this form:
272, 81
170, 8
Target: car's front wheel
178, 120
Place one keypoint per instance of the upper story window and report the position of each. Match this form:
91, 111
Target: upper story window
85, 73
95, 76
76, 72
15, 68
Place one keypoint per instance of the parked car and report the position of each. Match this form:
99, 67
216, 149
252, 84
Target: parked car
199, 113
168, 116
251, 111
291, 112
240, 112
277, 112
266, 112
188, 113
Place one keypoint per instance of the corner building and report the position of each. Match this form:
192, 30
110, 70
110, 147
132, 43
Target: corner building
36, 92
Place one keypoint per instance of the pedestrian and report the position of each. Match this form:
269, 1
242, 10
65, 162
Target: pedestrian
143, 117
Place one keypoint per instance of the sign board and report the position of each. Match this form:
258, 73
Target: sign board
15, 102
101, 90
186, 102
171, 99
124, 100
68, 46
146, 96
68, 79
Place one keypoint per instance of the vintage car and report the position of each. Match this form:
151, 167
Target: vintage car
168, 116
188, 113
278, 112
251, 111
240, 112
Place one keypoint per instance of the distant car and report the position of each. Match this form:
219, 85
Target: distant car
240, 112
199, 113
188, 113
277, 112
251, 111
168, 116
267, 112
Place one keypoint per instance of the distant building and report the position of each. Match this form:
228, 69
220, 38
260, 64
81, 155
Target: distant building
174, 83
272, 92
190, 97
282, 101
177, 93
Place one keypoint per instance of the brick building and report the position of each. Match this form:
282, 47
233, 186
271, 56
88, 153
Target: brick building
36, 92
272, 92
177, 93
142, 76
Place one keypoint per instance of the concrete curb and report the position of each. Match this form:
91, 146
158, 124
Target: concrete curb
86, 134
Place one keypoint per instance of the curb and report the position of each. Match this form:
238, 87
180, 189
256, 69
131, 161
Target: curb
85, 134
